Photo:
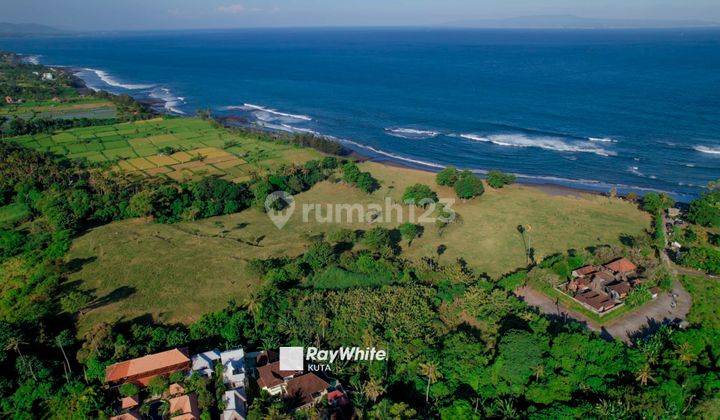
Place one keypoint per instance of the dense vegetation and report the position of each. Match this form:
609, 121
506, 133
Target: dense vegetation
465, 183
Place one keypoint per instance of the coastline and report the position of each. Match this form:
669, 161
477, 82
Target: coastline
550, 185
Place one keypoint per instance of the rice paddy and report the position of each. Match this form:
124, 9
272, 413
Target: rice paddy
177, 148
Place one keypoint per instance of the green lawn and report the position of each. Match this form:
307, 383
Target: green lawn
180, 271
705, 292
13, 213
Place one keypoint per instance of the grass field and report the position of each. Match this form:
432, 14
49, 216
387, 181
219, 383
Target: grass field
705, 292
198, 266
200, 148
70, 108
13, 213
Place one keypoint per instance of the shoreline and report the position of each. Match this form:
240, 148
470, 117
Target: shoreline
557, 186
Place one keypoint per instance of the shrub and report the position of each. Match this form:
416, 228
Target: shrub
447, 177
468, 186
379, 239
410, 231
319, 256
419, 194
654, 203
497, 179
705, 210
638, 296
342, 235
129, 389
703, 258
363, 180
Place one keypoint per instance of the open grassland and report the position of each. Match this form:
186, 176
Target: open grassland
74, 107
196, 148
198, 266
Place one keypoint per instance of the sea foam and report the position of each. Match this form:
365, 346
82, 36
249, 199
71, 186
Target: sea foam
708, 150
111, 81
542, 142
171, 102
411, 133
269, 114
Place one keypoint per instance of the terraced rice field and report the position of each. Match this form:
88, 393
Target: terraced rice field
178, 148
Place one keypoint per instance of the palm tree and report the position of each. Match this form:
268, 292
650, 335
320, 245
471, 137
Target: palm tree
539, 371
373, 389
521, 230
14, 343
685, 353
507, 409
644, 375
430, 371
63, 339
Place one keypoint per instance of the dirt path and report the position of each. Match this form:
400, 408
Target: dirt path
627, 327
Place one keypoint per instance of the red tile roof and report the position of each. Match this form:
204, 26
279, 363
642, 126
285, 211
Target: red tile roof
622, 288
588, 269
304, 389
129, 402
145, 366
621, 265
599, 301
184, 407
270, 375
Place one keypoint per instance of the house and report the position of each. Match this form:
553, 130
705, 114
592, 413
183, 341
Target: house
204, 363
622, 267
48, 76
305, 390
175, 389
131, 415
184, 408
598, 301
619, 289
337, 398
128, 403
673, 212
235, 402
233, 362
141, 370
585, 271
272, 379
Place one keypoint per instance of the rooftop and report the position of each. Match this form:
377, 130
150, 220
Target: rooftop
270, 375
146, 364
621, 265
305, 388
183, 406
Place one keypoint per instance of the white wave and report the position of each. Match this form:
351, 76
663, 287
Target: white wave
636, 171
602, 139
170, 101
542, 142
270, 115
31, 59
708, 150
411, 133
690, 165
394, 156
111, 81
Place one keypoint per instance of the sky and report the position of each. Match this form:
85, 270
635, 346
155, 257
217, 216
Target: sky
195, 14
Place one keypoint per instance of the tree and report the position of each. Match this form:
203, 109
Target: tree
419, 194
430, 371
705, 210
468, 186
14, 343
447, 177
373, 389
654, 203
410, 231
75, 301
497, 179
129, 389
62, 340
319, 256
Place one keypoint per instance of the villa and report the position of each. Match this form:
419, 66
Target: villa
141, 370
272, 379
235, 402
233, 362
204, 363
603, 287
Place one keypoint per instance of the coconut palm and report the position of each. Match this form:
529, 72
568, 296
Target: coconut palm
64, 339
430, 371
373, 389
644, 375
14, 343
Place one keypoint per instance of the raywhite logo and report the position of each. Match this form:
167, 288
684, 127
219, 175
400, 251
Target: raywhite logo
280, 207
293, 358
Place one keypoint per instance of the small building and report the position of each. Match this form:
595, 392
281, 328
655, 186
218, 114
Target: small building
272, 379
204, 363
233, 362
598, 301
127, 403
176, 389
619, 289
306, 390
130, 415
585, 271
184, 408
141, 370
235, 402
621, 266
48, 76
673, 212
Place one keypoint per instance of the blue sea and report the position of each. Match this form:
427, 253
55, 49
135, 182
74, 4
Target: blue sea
637, 110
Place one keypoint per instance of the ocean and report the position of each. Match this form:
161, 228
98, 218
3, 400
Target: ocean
595, 109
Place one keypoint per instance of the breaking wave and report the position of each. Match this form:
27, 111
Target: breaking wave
111, 81
708, 150
31, 59
170, 101
542, 142
270, 115
411, 133
602, 139
392, 155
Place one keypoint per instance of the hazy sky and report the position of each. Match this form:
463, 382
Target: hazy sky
168, 14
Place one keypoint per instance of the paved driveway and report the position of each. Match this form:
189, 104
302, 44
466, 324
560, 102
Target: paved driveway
629, 326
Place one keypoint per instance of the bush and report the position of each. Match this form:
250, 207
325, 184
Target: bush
419, 194
705, 210
638, 296
363, 180
129, 389
655, 203
319, 256
343, 235
497, 179
468, 186
410, 231
703, 258
447, 177
379, 239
